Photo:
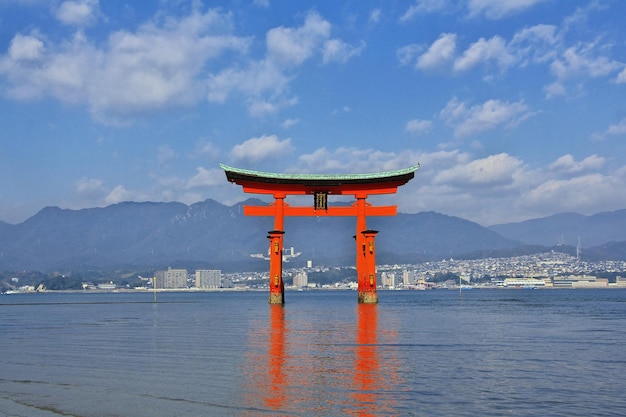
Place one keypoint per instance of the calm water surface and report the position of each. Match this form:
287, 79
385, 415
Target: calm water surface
422, 353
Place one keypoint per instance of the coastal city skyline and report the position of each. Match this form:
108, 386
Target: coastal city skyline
514, 109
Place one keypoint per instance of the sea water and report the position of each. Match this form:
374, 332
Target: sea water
416, 353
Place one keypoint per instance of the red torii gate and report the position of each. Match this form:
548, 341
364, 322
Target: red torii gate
321, 186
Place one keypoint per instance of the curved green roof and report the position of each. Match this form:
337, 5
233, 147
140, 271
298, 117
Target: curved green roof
319, 177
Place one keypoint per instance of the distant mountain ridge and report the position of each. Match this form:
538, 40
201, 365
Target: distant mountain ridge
568, 228
210, 234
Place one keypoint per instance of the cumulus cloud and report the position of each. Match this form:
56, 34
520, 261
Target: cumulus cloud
77, 12
534, 44
439, 53
539, 44
615, 129
164, 63
118, 195
418, 127
579, 194
25, 48
485, 50
555, 89
264, 147
157, 66
495, 170
567, 164
206, 178
581, 60
287, 123
255, 81
618, 128
292, 46
336, 50
468, 120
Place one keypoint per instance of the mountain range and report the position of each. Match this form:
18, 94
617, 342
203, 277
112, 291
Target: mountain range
209, 234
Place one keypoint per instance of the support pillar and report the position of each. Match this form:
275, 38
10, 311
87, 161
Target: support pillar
365, 255
367, 279
277, 287
361, 225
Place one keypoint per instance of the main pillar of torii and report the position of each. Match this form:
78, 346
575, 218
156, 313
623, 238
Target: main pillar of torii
320, 186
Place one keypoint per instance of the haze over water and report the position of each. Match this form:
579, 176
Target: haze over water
421, 353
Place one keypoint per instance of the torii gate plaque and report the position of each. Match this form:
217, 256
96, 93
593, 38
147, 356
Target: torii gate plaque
320, 186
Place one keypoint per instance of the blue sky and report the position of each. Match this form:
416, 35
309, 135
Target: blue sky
514, 109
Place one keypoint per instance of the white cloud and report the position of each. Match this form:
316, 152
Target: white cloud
567, 164
423, 7
617, 128
492, 9
482, 51
264, 82
206, 178
287, 123
407, 54
498, 9
336, 50
259, 107
493, 171
77, 12
150, 69
26, 48
418, 127
439, 53
292, 46
353, 160
467, 121
582, 194
541, 33
555, 89
259, 78
621, 77
264, 147
580, 61
118, 195
90, 187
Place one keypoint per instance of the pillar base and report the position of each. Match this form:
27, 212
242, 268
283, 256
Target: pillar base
368, 297
277, 298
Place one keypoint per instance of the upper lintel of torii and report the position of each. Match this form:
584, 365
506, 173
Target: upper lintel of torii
259, 182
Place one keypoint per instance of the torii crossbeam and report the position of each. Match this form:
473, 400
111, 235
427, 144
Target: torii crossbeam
320, 186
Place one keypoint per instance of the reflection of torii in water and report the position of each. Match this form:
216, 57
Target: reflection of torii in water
287, 254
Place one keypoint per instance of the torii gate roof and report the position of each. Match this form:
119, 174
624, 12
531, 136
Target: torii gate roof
256, 181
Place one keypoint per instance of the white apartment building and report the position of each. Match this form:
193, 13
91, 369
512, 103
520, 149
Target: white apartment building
208, 278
